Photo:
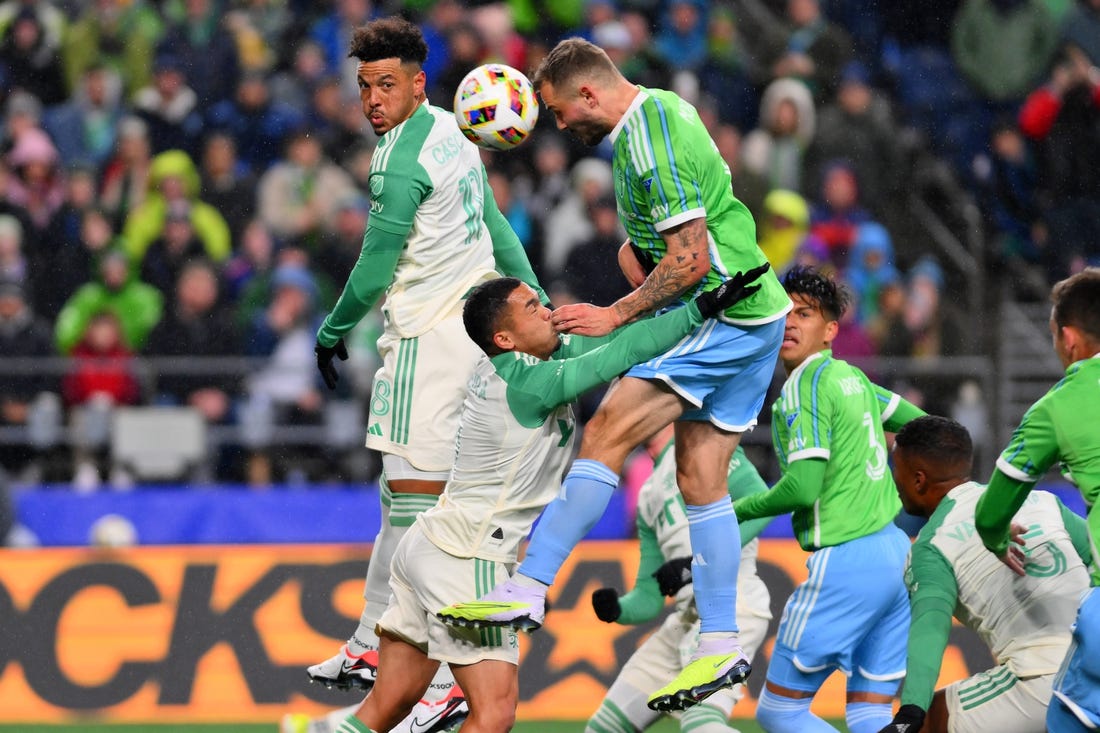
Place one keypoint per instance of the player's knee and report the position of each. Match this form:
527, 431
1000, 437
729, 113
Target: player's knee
498, 715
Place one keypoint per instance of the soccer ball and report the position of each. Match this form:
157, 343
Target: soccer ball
496, 107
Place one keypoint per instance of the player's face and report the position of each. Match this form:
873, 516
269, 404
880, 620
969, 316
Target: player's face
390, 92
573, 111
808, 331
526, 327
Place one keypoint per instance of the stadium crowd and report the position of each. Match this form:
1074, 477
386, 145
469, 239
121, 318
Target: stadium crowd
186, 178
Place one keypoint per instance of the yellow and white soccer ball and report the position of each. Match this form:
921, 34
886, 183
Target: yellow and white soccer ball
496, 107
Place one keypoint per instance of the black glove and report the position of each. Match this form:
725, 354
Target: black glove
908, 720
605, 602
734, 290
673, 575
324, 361
645, 258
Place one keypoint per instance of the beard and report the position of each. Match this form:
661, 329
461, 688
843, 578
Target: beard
590, 133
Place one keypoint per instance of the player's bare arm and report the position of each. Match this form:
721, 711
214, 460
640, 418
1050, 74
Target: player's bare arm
686, 262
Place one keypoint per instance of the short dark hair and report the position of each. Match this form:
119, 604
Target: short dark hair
389, 38
1077, 302
484, 311
831, 297
938, 439
573, 58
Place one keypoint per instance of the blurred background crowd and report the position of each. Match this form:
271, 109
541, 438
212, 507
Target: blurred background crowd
182, 197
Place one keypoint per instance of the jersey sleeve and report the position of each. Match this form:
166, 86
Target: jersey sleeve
541, 386
997, 506
799, 488
1033, 448
894, 410
933, 593
396, 193
511, 258
667, 172
372, 274
644, 601
743, 480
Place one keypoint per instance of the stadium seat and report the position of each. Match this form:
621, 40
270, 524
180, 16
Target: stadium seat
158, 443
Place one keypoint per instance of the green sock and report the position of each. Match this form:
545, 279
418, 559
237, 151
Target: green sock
352, 724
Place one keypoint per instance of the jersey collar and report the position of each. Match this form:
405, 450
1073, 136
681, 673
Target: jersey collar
816, 355
638, 99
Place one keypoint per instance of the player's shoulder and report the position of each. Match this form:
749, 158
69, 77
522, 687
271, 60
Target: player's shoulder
401, 147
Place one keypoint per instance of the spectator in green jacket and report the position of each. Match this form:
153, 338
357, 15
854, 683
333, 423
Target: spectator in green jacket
137, 305
173, 177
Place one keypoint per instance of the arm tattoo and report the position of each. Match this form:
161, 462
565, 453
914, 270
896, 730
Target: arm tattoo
685, 264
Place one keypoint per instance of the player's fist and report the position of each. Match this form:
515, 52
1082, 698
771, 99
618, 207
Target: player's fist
605, 602
732, 291
909, 719
673, 575
324, 361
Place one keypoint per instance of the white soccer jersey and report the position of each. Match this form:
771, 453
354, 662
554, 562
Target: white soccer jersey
503, 475
426, 171
1024, 620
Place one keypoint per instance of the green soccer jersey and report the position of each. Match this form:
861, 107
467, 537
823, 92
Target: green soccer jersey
829, 410
668, 171
1060, 427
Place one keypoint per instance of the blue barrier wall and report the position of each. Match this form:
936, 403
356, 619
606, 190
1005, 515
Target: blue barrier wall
171, 515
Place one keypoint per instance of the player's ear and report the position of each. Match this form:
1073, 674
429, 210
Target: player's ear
503, 341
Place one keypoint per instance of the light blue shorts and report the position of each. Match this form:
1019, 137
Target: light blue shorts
851, 614
723, 370
1077, 684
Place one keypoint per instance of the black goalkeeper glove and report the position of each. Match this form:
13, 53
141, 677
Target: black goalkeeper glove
734, 290
645, 258
324, 361
605, 602
909, 719
673, 575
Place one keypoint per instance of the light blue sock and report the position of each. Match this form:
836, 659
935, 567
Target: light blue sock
868, 717
566, 520
716, 555
778, 714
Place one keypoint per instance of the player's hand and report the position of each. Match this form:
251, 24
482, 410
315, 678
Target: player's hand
909, 719
734, 290
673, 575
1013, 557
324, 361
585, 319
605, 602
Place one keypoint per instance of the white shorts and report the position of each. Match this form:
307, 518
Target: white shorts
424, 579
418, 392
998, 700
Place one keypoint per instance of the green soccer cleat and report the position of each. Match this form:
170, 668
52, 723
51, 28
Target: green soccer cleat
509, 605
699, 679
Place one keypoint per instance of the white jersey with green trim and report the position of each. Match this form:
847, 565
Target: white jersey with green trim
504, 473
1024, 620
425, 172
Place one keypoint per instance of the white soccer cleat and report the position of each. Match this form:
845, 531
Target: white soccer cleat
344, 671
520, 607
436, 712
